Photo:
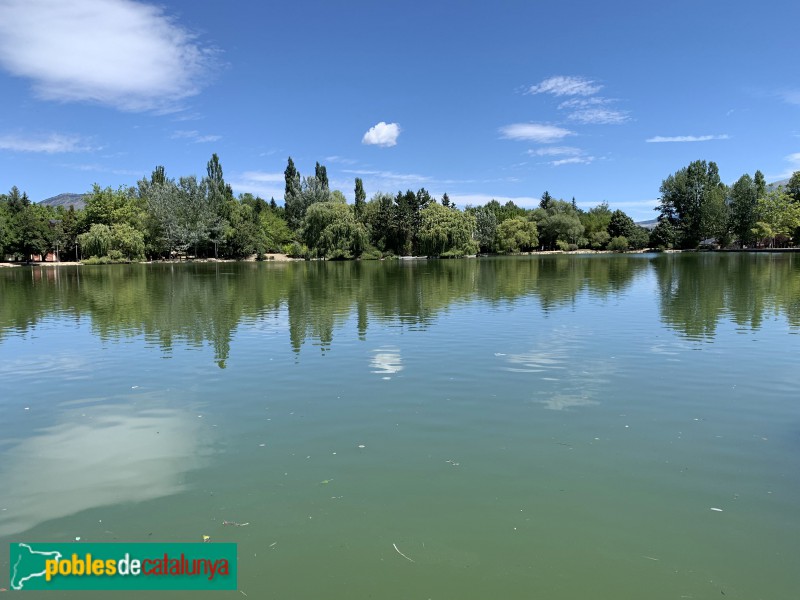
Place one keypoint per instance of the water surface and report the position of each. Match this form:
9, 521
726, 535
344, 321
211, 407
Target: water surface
552, 426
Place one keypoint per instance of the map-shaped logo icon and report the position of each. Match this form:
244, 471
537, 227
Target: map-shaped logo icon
28, 564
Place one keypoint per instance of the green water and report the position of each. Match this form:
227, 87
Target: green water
553, 427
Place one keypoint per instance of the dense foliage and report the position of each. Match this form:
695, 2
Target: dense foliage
697, 209
163, 217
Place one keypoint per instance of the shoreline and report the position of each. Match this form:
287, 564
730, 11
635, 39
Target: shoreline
283, 258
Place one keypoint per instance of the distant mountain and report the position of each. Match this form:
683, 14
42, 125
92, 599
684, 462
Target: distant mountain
651, 224
77, 200
775, 184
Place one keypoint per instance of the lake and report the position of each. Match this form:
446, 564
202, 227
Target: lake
559, 427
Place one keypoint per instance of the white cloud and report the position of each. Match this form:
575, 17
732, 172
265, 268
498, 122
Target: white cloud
790, 96
685, 138
120, 53
341, 160
555, 151
575, 160
562, 85
260, 183
390, 176
383, 134
584, 102
263, 177
96, 167
54, 143
599, 116
536, 132
194, 136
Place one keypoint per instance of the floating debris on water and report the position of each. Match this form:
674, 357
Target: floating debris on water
716, 509
401, 554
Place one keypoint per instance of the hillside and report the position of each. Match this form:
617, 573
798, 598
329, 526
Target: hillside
65, 200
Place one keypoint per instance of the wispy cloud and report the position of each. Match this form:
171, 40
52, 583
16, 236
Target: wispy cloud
390, 176
383, 134
790, 96
564, 85
194, 136
571, 154
536, 132
98, 168
555, 151
575, 103
574, 160
794, 165
599, 116
121, 53
261, 183
659, 139
55, 143
340, 160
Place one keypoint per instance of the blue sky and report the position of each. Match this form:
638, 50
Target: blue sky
600, 101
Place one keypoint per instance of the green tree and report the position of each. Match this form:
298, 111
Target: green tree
559, 223
32, 233
360, 199
777, 213
760, 183
595, 223
97, 241
620, 224
793, 187
5, 227
276, 232
517, 235
693, 199
219, 203
292, 198
110, 207
445, 231
664, 235
618, 244
321, 173
545, 201
331, 229
639, 237
743, 209
485, 228
159, 175
127, 241
379, 216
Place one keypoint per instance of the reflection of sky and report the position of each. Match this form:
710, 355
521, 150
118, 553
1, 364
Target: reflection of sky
386, 361
99, 457
564, 378
71, 366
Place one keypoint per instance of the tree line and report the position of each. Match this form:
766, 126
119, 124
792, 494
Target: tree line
696, 208
164, 217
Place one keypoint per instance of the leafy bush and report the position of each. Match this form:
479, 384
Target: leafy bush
618, 244
562, 245
371, 254
296, 250
95, 260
